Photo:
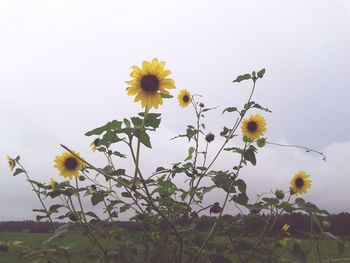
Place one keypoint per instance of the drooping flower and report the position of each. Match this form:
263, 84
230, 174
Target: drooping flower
149, 82
11, 163
68, 164
283, 242
184, 98
94, 144
254, 126
53, 184
285, 228
300, 182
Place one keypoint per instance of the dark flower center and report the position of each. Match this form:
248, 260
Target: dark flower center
96, 141
150, 83
299, 182
186, 98
252, 126
71, 163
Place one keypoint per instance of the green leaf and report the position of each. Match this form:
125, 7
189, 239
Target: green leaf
190, 152
241, 199
124, 208
166, 96
242, 187
299, 252
145, 139
92, 214
242, 77
54, 208
152, 120
127, 123
18, 171
97, 198
107, 138
223, 180
261, 73
230, 109
126, 194
118, 172
136, 121
109, 126
249, 155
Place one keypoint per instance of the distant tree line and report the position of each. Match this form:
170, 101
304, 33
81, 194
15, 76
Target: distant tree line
299, 224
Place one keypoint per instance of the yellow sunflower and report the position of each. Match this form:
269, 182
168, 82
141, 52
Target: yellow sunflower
10, 162
184, 98
94, 144
254, 126
149, 82
283, 242
53, 184
68, 165
300, 182
285, 228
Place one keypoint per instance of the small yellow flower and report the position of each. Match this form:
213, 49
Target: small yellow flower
326, 224
285, 228
300, 182
94, 144
254, 127
11, 163
149, 82
53, 184
184, 98
283, 242
68, 165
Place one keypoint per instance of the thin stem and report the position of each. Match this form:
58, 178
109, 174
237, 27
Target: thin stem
38, 195
324, 158
223, 206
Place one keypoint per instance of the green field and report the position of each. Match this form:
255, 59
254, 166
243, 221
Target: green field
79, 246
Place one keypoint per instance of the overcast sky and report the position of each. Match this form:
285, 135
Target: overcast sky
63, 65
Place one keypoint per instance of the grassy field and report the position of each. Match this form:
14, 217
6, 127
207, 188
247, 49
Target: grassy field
329, 250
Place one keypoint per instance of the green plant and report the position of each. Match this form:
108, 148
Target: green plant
168, 214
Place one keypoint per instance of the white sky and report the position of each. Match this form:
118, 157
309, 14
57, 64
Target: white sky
63, 65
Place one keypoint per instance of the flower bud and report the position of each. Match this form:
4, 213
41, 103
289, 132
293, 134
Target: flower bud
279, 194
209, 137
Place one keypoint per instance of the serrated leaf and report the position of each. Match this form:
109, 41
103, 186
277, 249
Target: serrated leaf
230, 109
97, 198
249, 155
109, 126
242, 187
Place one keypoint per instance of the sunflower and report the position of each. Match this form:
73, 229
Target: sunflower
149, 82
184, 98
94, 144
300, 182
53, 184
283, 242
285, 228
68, 165
10, 162
254, 126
